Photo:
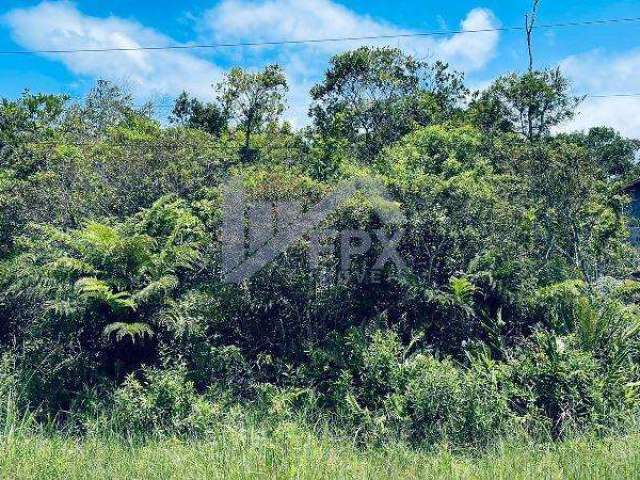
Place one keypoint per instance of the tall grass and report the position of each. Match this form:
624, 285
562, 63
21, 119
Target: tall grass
291, 452
246, 455
286, 449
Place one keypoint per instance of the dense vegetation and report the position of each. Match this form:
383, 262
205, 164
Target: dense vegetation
519, 315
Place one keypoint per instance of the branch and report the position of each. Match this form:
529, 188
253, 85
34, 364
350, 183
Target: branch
530, 21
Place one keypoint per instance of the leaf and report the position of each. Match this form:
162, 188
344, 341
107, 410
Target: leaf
462, 289
67, 266
134, 331
156, 289
99, 291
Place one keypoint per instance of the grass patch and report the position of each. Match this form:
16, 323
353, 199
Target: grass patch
292, 453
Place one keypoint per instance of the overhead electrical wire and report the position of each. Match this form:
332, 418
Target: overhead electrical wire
586, 23
613, 95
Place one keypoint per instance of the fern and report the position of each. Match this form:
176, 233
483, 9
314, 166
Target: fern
62, 308
96, 290
174, 258
98, 237
156, 289
134, 331
183, 315
462, 289
65, 267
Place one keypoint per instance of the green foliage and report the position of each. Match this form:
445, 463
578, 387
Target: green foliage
371, 97
30, 117
193, 113
131, 330
162, 402
516, 315
530, 104
446, 403
614, 154
99, 293
253, 100
106, 106
562, 381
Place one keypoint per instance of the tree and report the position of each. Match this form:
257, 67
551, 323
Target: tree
113, 243
31, 117
578, 214
27, 124
106, 105
371, 97
193, 113
530, 104
253, 100
614, 154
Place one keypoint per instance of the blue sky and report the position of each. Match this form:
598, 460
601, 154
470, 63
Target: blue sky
598, 59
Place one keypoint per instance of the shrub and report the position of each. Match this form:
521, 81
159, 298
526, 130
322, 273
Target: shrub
447, 403
162, 402
369, 367
563, 382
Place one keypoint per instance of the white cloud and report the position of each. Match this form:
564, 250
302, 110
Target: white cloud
60, 25
472, 51
269, 20
290, 19
599, 72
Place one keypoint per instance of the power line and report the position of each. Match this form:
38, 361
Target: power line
586, 23
614, 95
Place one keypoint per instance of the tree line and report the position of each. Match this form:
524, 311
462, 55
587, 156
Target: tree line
520, 312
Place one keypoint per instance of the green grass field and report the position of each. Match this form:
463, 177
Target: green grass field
297, 455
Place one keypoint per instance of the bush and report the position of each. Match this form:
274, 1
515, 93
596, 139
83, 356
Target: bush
379, 371
162, 402
447, 403
384, 392
564, 383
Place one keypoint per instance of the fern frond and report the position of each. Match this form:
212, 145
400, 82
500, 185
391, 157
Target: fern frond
180, 257
99, 237
134, 331
462, 289
93, 289
67, 266
156, 289
62, 308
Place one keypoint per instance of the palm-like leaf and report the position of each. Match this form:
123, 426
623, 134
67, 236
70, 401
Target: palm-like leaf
96, 290
62, 308
176, 257
67, 266
134, 331
156, 289
462, 290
